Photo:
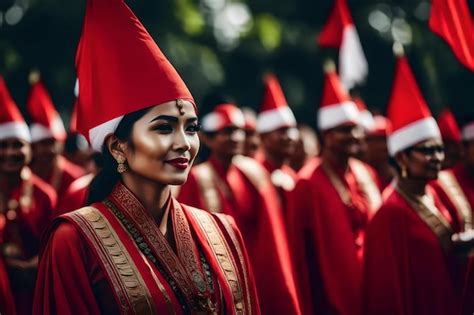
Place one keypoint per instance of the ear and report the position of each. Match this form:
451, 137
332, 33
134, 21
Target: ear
401, 158
117, 148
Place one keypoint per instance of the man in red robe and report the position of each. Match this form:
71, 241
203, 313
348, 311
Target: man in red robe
329, 210
239, 186
47, 138
278, 133
26, 204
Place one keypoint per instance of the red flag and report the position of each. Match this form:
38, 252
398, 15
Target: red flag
340, 32
452, 21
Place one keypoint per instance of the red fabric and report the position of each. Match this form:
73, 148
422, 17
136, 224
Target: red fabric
118, 63
7, 305
9, 112
273, 97
323, 234
448, 126
76, 195
73, 119
452, 21
382, 126
42, 110
256, 214
340, 17
407, 104
406, 270
333, 91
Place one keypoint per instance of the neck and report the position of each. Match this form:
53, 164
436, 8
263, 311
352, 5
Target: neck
43, 170
9, 181
224, 161
414, 186
335, 161
275, 160
152, 195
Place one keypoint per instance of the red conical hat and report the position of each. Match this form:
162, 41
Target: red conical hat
382, 126
336, 108
366, 117
448, 126
12, 124
45, 120
223, 115
410, 116
120, 70
274, 112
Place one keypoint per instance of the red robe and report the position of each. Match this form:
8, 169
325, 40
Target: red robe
407, 272
76, 195
63, 174
114, 258
23, 234
327, 237
7, 305
245, 192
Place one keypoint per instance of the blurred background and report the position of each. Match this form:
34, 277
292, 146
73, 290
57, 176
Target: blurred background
228, 45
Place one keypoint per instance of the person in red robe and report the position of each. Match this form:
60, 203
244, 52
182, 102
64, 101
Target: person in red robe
252, 140
47, 140
306, 148
239, 186
414, 247
135, 249
330, 206
7, 304
276, 125
26, 206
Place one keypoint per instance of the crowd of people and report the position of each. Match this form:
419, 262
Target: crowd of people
369, 214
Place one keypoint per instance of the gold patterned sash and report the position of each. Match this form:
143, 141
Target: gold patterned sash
205, 176
429, 213
450, 185
127, 282
224, 257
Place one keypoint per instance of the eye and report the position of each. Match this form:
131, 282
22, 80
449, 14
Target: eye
193, 128
163, 128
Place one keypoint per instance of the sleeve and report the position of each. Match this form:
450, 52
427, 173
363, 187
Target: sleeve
63, 283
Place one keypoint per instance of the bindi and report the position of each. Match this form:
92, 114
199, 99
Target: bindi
180, 106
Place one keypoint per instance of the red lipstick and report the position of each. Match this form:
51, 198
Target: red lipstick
179, 163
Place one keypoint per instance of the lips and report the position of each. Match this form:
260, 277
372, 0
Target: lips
179, 163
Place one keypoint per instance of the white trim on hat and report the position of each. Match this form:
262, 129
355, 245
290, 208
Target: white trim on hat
273, 119
15, 129
331, 116
39, 132
413, 133
468, 132
367, 120
214, 120
98, 134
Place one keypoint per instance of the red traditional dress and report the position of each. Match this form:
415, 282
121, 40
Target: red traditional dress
76, 195
244, 191
25, 212
410, 268
114, 258
7, 305
327, 218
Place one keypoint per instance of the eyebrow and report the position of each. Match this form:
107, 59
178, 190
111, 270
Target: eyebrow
172, 118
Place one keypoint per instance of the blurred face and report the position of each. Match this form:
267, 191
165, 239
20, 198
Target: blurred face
280, 143
377, 152
164, 144
45, 151
452, 154
345, 140
227, 142
252, 142
423, 160
14, 155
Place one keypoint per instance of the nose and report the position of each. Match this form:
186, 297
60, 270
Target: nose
181, 141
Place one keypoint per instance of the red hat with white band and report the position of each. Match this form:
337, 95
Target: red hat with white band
274, 112
336, 108
120, 70
12, 124
448, 126
411, 118
223, 115
366, 117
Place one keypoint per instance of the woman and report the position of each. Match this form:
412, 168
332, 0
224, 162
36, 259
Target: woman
413, 244
136, 250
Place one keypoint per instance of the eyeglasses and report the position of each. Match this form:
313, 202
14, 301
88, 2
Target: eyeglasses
428, 150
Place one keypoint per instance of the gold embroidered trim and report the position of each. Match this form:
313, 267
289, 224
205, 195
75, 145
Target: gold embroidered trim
204, 176
222, 253
126, 279
455, 193
242, 260
429, 213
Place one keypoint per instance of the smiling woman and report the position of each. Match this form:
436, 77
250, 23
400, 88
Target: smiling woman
135, 249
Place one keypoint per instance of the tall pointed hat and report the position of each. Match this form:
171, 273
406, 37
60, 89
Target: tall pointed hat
448, 126
120, 70
45, 120
411, 118
12, 124
274, 112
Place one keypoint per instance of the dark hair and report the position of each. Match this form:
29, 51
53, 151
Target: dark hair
107, 178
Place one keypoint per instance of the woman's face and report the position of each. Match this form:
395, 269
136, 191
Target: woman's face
164, 143
424, 159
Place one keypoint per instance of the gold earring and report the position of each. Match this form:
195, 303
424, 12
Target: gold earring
404, 172
121, 167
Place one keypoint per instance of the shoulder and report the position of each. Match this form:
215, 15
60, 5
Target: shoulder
253, 170
308, 169
70, 168
43, 189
